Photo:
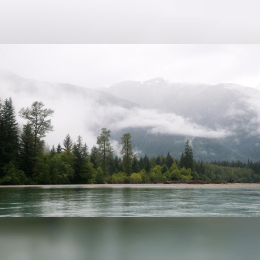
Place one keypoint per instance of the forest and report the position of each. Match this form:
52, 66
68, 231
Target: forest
23, 160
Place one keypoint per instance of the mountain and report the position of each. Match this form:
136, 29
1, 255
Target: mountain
223, 106
18, 85
222, 121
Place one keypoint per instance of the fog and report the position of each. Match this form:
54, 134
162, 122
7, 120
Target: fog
84, 114
68, 79
101, 65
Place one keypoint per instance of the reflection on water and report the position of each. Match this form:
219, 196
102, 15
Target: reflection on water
129, 238
129, 202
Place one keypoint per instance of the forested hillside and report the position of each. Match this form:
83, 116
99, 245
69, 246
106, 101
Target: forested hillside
221, 120
23, 161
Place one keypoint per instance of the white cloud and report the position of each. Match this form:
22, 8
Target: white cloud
77, 114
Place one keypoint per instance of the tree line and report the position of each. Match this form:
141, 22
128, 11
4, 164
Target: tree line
23, 161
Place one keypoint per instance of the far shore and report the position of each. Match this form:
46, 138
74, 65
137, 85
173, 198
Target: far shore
143, 185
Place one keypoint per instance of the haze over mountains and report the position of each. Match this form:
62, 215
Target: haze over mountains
221, 120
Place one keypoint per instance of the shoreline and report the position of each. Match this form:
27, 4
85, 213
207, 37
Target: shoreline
143, 185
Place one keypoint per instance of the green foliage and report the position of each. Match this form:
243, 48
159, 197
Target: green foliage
83, 168
156, 174
27, 159
153, 163
13, 176
127, 152
119, 178
196, 176
99, 176
164, 169
59, 149
105, 150
37, 119
147, 166
41, 173
53, 151
9, 139
94, 157
135, 166
169, 160
144, 176
187, 158
87, 173
175, 174
61, 167
67, 142
136, 178
185, 174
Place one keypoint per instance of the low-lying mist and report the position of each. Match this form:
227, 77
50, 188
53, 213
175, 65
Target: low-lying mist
84, 113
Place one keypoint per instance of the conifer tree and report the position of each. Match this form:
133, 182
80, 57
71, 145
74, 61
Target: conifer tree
127, 152
82, 165
158, 160
68, 143
105, 149
27, 151
182, 161
169, 161
94, 157
135, 165
187, 160
53, 151
147, 166
59, 149
9, 138
116, 164
141, 163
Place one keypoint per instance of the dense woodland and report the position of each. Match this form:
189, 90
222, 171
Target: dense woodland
23, 161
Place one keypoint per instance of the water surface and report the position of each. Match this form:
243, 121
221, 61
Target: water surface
129, 202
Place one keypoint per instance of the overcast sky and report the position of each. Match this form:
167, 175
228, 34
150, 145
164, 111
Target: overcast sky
103, 65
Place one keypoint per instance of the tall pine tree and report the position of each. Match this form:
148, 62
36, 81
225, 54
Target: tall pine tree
187, 158
27, 151
9, 137
127, 152
105, 150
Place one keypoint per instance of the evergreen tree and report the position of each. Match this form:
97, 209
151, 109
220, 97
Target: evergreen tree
111, 166
169, 161
135, 165
147, 166
9, 138
83, 168
127, 152
141, 163
116, 164
182, 161
188, 156
59, 149
53, 151
94, 157
68, 143
27, 151
158, 161
164, 169
105, 149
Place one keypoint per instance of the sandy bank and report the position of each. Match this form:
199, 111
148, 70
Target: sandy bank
159, 185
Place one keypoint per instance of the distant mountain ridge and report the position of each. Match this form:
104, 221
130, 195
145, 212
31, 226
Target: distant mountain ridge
228, 107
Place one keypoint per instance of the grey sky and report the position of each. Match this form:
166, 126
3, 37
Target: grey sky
129, 21
103, 65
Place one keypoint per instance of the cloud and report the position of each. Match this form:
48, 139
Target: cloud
163, 123
85, 115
